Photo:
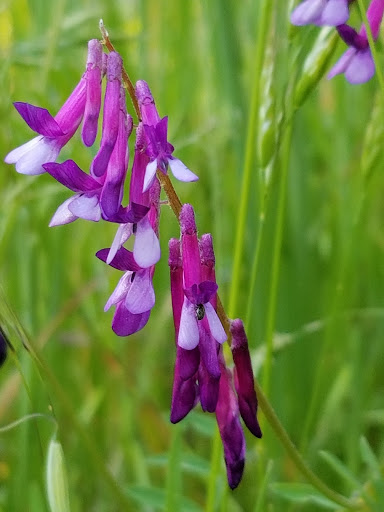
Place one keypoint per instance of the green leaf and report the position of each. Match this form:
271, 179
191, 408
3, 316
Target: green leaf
340, 468
303, 494
369, 457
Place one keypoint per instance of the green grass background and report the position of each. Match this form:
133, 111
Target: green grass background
316, 299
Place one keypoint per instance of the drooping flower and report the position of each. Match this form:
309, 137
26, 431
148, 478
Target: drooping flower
159, 149
146, 249
55, 132
111, 108
134, 296
321, 12
357, 62
244, 380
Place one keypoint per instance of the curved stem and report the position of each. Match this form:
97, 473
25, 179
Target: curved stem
300, 463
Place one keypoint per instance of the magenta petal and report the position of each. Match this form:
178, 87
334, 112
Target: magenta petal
125, 323
184, 397
39, 119
123, 259
208, 350
71, 176
188, 362
208, 389
161, 131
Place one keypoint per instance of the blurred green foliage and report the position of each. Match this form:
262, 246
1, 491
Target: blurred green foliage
327, 379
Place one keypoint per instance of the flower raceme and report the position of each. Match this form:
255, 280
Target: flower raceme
200, 373
200, 370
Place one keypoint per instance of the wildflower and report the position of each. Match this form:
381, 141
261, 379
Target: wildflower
146, 249
55, 132
133, 296
159, 149
243, 374
112, 105
357, 63
321, 12
231, 432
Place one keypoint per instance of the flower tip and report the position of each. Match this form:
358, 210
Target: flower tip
187, 220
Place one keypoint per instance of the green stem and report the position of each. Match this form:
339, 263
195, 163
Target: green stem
214, 473
265, 15
271, 315
294, 454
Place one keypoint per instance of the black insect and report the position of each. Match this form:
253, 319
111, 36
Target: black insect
200, 311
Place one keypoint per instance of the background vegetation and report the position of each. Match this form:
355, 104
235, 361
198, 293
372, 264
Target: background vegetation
310, 213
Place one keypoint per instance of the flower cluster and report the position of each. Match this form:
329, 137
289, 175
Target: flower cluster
200, 369
356, 63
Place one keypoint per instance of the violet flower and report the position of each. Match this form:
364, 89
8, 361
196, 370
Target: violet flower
146, 249
133, 296
112, 104
244, 380
357, 63
321, 12
159, 149
55, 132
231, 432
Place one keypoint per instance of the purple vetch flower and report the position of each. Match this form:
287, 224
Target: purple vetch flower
357, 62
231, 432
133, 296
146, 249
244, 380
185, 390
93, 92
159, 149
112, 104
55, 132
321, 12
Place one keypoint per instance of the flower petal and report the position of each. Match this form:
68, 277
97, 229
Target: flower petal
86, 207
124, 231
181, 171
335, 12
188, 331
342, 64
71, 176
30, 157
125, 323
361, 67
146, 249
39, 119
123, 259
307, 12
141, 295
120, 291
63, 215
150, 173
217, 330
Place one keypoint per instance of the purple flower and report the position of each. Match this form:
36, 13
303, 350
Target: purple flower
159, 149
55, 132
321, 12
357, 63
232, 435
146, 249
93, 92
112, 105
133, 296
244, 382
